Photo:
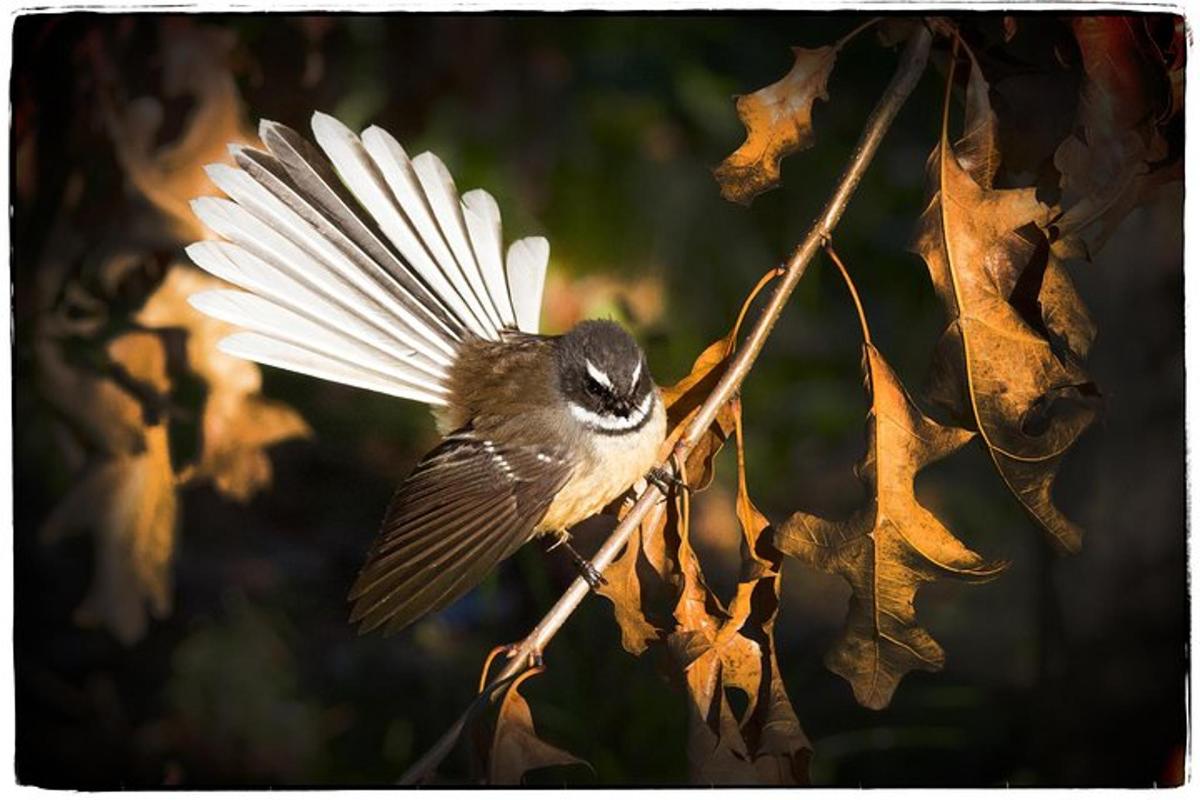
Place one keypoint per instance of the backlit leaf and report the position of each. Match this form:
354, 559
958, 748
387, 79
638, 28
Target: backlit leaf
196, 68
1128, 133
778, 120
890, 547
516, 748
125, 493
238, 422
1000, 368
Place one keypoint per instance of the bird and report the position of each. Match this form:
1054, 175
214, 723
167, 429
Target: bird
356, 264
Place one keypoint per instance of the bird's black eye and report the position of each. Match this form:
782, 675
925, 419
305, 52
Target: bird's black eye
593, 386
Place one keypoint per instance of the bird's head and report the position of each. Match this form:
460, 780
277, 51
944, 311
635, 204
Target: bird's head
603, 376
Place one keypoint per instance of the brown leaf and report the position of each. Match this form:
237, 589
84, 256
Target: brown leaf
995, 369
625, 585
890, 547
516, 748
196, 66
1127, 140
1010, 27
125, 495
238, 422
662, 599
684, 399
778, 120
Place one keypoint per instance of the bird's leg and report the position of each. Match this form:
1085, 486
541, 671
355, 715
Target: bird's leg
666, 480
586, 569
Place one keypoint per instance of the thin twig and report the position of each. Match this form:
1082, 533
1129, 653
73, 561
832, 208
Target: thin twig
842, 42
862, 316
912, 65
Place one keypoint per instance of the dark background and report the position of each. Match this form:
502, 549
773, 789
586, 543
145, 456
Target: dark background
601, 133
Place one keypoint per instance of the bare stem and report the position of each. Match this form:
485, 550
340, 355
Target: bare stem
912, 65
862, 316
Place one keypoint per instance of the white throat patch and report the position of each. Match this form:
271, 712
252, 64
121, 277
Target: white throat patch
611, 423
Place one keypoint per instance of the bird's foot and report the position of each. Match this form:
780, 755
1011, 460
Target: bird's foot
587, 570
665, 479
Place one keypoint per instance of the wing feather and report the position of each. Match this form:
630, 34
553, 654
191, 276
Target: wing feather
467, 505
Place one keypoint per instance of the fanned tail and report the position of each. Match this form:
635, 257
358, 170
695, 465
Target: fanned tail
357, 264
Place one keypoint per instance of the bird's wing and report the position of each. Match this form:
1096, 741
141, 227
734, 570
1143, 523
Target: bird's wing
469, 503
358, 264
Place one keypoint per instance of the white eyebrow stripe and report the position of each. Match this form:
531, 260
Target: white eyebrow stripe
597, 374
637, 373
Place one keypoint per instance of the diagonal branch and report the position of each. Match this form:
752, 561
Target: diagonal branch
912, 65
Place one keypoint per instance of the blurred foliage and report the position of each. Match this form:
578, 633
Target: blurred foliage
599, 131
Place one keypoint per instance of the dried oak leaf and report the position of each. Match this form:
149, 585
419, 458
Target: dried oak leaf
516, 748
641, 575
889, 548
661, 597
238, 422
196, 67
683, 400
778, 120
125, 494
1000, 368
628, 582
1128, 133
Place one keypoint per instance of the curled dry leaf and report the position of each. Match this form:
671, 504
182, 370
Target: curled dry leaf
196, 67
516, 748
683, 400
125, 494
890, 547
238, 422
1128, 132
778, 120
661, 599
1000, 368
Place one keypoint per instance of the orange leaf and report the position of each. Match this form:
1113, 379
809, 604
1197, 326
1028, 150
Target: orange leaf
126, 496
196, 65
890, 547
238, 422
1128, 115
1000, 367
516, 748
778, 120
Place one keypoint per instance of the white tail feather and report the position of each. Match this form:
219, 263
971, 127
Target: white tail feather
350, 289
259, 314
380, 300
482, 216
442, 196
358, 172
271, 210
285, 355
527, 260
243, 269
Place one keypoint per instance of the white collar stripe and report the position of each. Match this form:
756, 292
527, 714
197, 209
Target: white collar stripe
610, 422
